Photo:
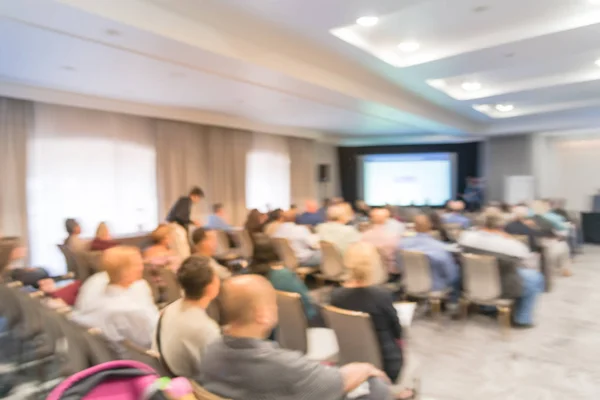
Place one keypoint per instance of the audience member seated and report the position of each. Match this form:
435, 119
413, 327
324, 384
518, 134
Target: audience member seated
359, 294
323, 210
218, 219
510, 252
303, 242
74, 241
185, 328
205, 244
384, 239
362, 208
437, 225
103, 239
120, 309
160, 252
265, 262
522, 227
243, 365
454, 214
255, 222
392, 223
558, 252
311, 215
273, 222
335, 231
444, 270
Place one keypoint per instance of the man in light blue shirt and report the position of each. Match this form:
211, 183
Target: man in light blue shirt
218, 219
335, 231
455, 216
303, 242
444, 271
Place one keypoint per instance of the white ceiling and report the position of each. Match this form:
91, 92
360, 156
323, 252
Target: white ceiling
311, 70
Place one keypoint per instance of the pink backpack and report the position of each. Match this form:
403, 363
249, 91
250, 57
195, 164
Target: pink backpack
114, 380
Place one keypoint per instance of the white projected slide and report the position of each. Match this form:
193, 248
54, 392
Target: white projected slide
408, 179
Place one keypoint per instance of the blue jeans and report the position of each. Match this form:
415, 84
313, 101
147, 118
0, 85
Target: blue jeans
533, 284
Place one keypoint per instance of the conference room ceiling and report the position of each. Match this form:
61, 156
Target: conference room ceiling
423, 69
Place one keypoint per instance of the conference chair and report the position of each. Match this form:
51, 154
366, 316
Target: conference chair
358, 343
293, 333
224, 250
287, 255
481, 278
163, 283
246, 245
417, 279
332, 264
149, 357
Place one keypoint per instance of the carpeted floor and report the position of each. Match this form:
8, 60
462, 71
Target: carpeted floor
558, 359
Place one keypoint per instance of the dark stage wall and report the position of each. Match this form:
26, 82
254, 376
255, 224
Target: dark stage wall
467, 155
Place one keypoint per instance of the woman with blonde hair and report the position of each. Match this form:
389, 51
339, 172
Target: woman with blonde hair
360, 293
103, 240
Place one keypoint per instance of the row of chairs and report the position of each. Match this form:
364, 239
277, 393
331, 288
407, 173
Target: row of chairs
349, 338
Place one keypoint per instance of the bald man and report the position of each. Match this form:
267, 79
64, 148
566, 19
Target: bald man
311, 215
384, 239
122, 307
444, 271
243, 365
303, 242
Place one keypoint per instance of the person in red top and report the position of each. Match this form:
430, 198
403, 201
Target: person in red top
103, 240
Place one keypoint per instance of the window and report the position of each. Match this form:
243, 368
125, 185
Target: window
268, 173
91, 166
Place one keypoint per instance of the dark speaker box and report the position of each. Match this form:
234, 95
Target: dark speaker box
324, 172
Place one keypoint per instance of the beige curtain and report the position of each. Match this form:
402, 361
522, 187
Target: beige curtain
180, 163
16, 122
226, 154
303, 175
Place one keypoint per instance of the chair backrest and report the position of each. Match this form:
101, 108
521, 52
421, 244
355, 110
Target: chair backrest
332, 264
101, 349
246, 245
172, 288
481, 277
223, 246
286, 253
69, 259
291, 331
144, 356
355, 336
417, 272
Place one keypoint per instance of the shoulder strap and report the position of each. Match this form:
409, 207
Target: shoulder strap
158, 346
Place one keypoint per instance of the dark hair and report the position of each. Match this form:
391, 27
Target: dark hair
194, 275
253, 224
217, 207
293, 207
7, 245
70, 225
505, 207
263, 256
199, 235
274, 215
326, 202
196, 191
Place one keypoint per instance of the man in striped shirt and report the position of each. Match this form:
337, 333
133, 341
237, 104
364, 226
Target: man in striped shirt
243, 365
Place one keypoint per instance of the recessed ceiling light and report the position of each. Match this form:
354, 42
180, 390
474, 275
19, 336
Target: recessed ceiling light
504, 107
471, 86
409, 46
482, 107
367, 21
